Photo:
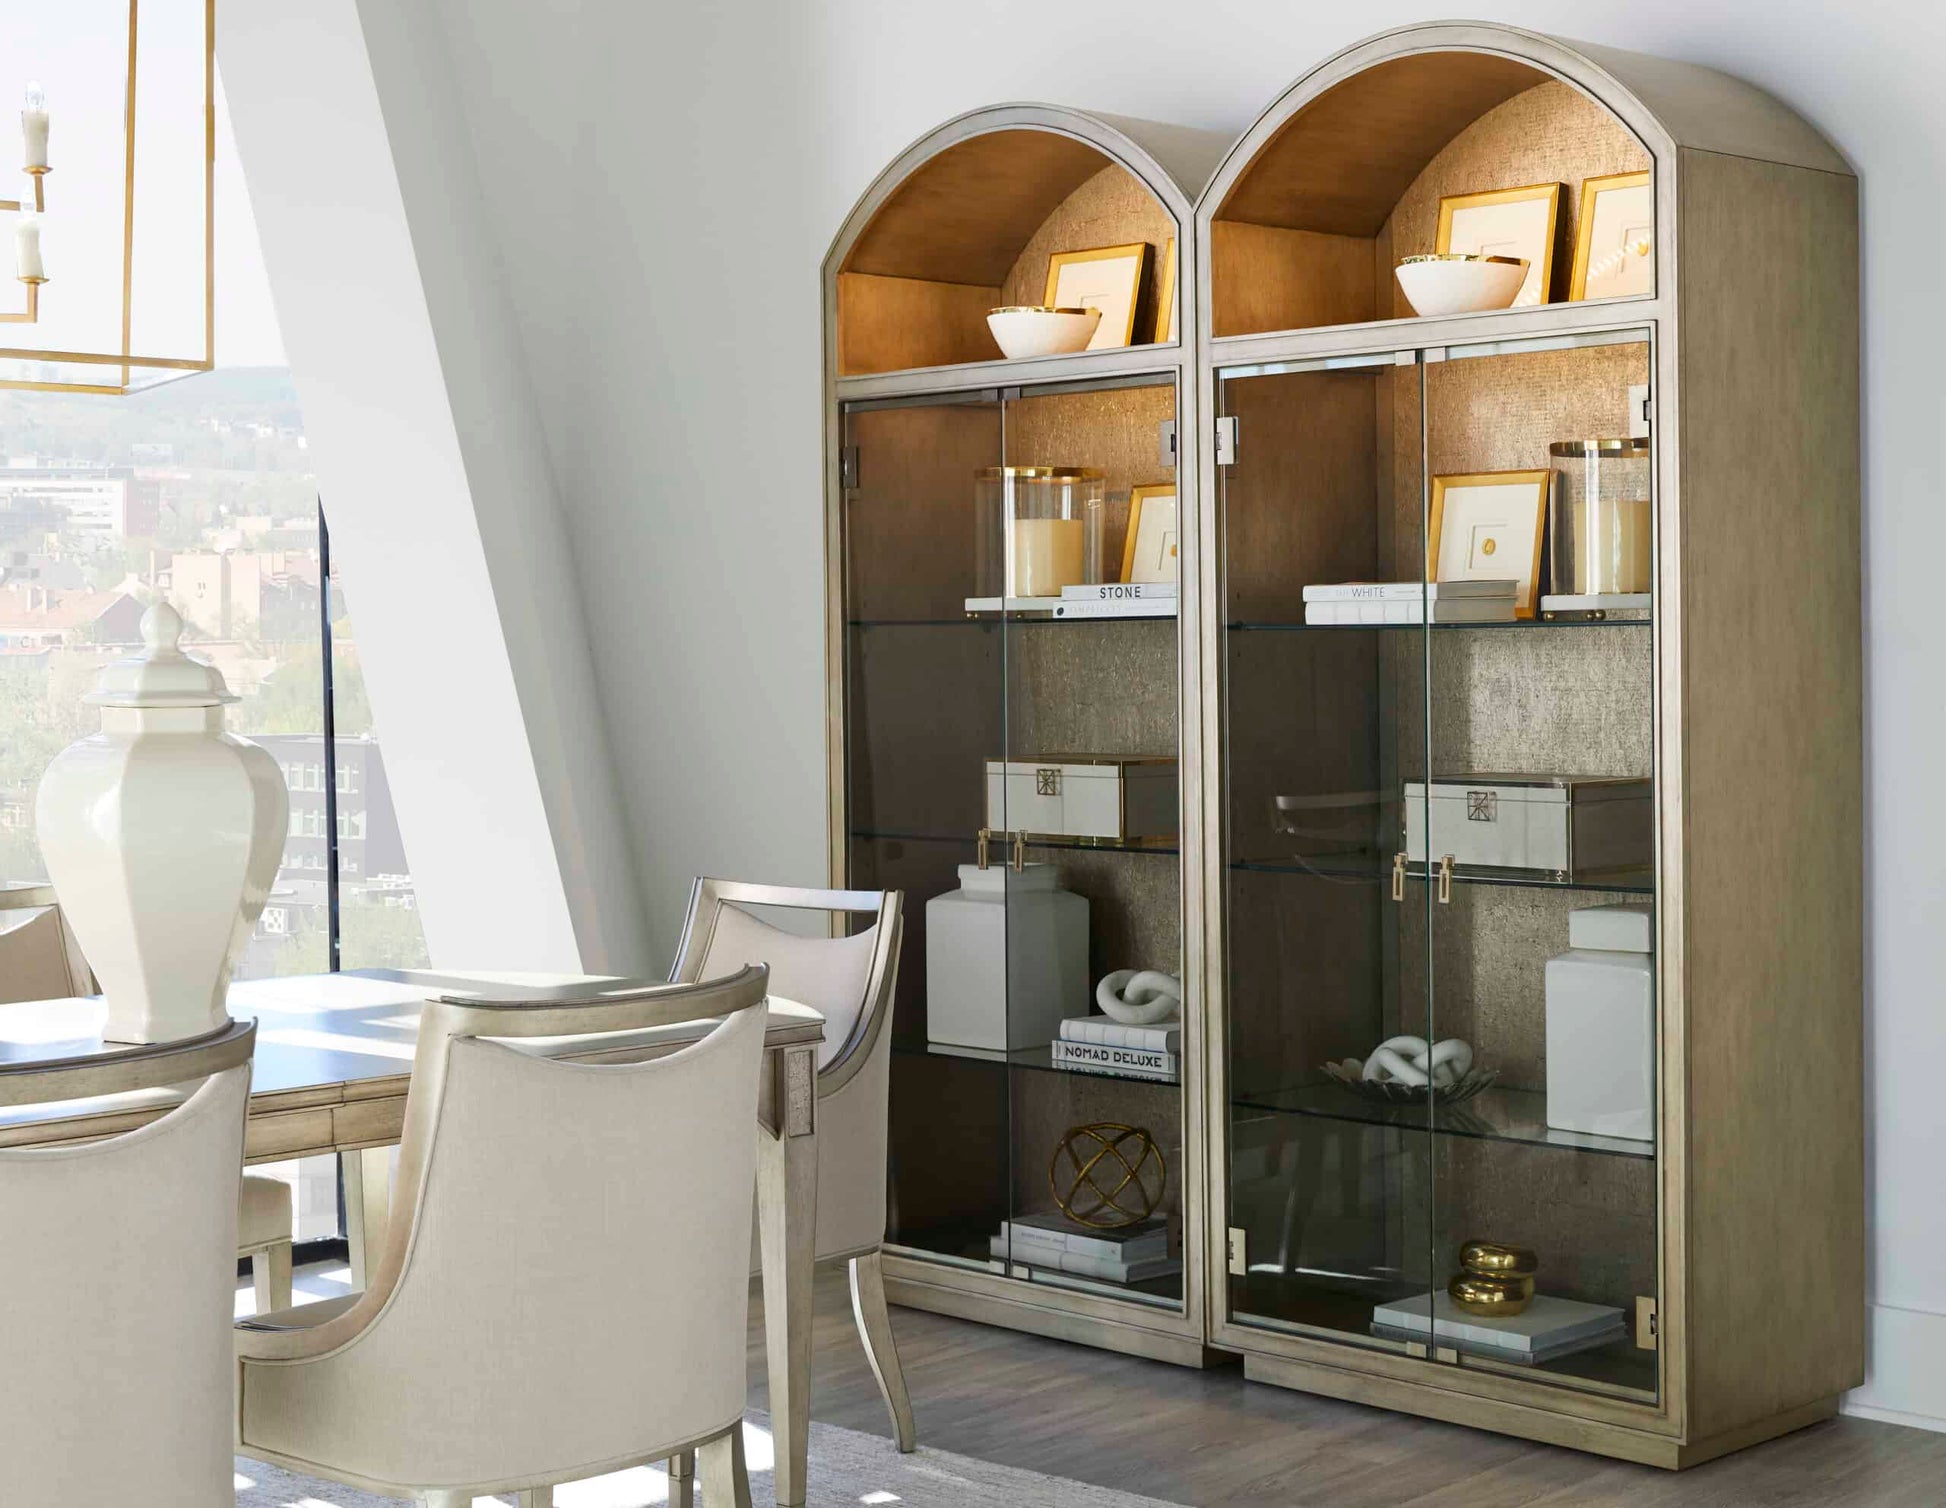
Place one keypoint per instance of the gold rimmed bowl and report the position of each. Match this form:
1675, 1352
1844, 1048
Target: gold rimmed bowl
1452, 283
1035, 330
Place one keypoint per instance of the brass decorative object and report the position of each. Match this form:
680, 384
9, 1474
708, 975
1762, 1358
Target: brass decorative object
1107, 1176
1494, 1281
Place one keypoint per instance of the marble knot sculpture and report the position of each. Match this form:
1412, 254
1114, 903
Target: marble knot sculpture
1140, 997
1411, 1060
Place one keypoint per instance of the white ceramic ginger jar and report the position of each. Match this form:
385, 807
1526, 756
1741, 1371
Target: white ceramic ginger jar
162, 835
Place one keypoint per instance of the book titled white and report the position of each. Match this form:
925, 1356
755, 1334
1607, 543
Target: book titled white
1384, 613
1134, 1062
1407, 591
1106, 1031
1119, 591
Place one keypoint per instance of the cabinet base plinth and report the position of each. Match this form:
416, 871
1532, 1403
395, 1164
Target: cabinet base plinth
1529, 1423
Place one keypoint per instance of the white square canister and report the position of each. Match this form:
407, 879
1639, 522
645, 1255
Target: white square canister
1109, 799
1601, 1025
1006, 959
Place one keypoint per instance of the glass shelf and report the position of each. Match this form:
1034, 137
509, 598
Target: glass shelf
1163, 846
1528, 624
1379, 871
1010, 620
1039, 1058
1494, 1114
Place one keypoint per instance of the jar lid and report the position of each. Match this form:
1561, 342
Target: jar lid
161, 675
1039, 473
1634, 445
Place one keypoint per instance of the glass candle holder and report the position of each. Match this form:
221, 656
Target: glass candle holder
1040, 529
1601, 527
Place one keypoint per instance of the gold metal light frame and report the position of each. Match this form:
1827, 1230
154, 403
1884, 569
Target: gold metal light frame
126, 358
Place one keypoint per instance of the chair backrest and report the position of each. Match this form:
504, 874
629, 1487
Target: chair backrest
118, 1262
553, 1296
848, 980
39, 956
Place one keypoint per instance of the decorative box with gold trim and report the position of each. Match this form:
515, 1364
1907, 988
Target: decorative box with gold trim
1091, 796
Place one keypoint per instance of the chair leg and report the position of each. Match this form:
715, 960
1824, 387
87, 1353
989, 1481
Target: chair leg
875, 1330
534, 1497
435, 1498
682, 1479
726, 1481
270, 1277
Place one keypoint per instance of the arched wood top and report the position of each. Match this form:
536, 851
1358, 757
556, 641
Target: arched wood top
1338, 148
958, 204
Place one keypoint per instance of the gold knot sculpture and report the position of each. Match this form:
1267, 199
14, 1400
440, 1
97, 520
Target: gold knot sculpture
1494, 1280
1107, 1175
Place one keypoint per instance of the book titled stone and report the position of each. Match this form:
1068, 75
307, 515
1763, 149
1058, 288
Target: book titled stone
1119, 591
1127, 1062
1106, 1031
1117, 607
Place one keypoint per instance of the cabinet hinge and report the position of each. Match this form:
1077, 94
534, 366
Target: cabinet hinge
848, 466
1239, 1256
1226, 440
1641, 411
1648, 1335
1165, 450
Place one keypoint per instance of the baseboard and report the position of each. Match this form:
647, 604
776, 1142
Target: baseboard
1905, 1368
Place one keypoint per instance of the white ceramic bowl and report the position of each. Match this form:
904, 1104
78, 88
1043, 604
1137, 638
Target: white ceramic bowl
1032, 331
1437, 285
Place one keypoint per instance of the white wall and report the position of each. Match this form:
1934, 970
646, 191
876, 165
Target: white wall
661, 184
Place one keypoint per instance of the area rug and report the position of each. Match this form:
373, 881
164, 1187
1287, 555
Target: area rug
848, 1469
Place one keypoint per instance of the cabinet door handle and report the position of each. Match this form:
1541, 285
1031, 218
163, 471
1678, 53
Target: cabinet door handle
980, 851
1446, 881
1020, 851
1398, 876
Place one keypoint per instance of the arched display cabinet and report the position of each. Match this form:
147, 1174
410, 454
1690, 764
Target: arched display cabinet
1363, 878
931, 682
1684, 1157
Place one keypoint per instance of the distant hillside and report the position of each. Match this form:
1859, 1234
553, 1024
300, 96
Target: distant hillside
105, 430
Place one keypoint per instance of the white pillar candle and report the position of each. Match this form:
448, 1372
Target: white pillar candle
27, 248
33, 127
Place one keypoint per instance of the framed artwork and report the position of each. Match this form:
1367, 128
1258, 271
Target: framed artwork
1514, 222
1151, 550
1614, 253
1488, 525
1165, 297
1109, 278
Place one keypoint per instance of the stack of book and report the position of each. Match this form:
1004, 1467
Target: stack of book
1385, 602
1546, 1329
1131, 1254
1101, 1044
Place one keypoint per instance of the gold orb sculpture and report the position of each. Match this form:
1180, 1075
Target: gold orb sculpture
1108, 1175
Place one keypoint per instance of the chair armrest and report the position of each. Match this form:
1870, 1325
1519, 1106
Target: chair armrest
304, 1331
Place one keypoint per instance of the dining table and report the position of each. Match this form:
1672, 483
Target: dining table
332, 1068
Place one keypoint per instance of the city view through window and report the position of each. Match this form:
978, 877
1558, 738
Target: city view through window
200, 491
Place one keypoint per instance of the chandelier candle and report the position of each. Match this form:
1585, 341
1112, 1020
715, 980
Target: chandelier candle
33, 129
27, 251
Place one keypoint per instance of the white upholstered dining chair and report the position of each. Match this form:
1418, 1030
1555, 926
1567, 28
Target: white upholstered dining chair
849, 980
119, 1284
552, 1301
41, 960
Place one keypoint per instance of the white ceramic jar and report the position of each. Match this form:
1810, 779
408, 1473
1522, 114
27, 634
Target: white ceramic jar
162, 835
1006, 958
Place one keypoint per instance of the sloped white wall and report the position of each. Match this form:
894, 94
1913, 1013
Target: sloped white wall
656, 187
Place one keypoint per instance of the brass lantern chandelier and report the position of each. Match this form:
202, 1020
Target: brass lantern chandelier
114, 260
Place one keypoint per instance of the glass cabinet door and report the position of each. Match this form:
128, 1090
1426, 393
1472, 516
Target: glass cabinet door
1539, 836
1012, 765
1330, 1173
1086, 805
1439, 792
925, 702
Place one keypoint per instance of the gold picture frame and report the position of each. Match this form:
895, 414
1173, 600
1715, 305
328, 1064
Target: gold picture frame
1487, 525
1151, 550
1511, 222
1617, 214
1108, 278
1165, 297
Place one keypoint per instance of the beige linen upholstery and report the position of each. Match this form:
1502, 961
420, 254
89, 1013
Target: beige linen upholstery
116, 1263
552, 1300
849, 980
40, 960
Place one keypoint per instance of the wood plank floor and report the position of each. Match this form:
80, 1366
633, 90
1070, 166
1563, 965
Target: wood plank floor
1210, 1440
